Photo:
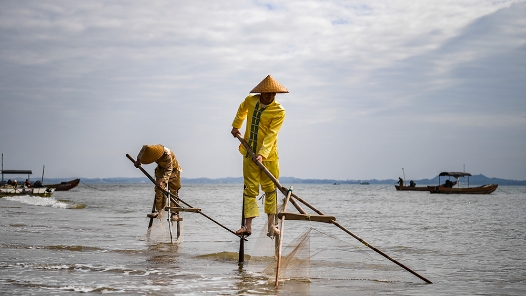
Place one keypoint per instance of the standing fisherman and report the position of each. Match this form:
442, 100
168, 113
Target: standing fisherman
265, 117
167, 172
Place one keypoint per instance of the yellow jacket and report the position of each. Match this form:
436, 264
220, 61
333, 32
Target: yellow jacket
270, 122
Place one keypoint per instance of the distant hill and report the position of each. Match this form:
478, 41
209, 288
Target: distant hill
473, 180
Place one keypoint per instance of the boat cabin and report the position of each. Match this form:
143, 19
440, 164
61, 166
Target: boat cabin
16, 172
455, 175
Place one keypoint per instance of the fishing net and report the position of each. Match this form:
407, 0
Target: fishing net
336, 256
160, 230
295, 259
320, 251
320, 254
163, 229
295, 256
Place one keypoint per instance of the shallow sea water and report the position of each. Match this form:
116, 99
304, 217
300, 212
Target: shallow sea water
93, 240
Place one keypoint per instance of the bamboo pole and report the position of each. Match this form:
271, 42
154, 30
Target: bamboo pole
283, 190
151, 218
172, 197
169, 216
282, 230
241, 258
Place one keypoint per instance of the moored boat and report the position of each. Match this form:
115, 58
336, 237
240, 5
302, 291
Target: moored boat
411, 188
484, 189
64, 186
415, 188
12, 188
448, 188
11, 191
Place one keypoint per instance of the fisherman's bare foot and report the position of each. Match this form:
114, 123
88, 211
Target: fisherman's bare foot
153, 215
243, 231
273, 231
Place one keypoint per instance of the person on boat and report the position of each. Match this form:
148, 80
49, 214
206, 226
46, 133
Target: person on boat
264, 117
412, 183
167, 172
400, 181
15, 183
27, 183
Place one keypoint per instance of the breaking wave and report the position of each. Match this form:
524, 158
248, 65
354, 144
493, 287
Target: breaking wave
45, 202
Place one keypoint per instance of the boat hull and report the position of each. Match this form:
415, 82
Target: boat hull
415, 188
411, 188
484, 189
64, 186
42, 192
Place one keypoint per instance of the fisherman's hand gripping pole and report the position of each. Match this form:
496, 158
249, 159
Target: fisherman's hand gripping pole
179, 199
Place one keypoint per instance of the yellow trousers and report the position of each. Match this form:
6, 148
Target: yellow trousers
253, 177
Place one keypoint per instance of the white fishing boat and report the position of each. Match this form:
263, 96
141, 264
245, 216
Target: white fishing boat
11, 191
13, 188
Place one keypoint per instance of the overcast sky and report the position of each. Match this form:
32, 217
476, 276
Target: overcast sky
375, 86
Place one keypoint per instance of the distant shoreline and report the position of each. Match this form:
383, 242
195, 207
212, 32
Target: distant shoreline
473, 180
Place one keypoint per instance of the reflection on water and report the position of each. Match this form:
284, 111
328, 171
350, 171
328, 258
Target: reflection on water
93, 240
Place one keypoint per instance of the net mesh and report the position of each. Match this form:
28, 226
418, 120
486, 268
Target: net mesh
160, 230
320, 251
321, 254
295, 259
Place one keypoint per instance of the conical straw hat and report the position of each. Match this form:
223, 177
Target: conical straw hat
269, 85
151, 153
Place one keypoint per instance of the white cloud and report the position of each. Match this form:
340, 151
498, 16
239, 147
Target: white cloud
109, 69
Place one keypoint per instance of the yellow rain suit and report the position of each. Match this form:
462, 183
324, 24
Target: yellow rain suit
262, 128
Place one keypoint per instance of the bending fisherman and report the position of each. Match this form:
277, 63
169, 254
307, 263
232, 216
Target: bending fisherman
167, 172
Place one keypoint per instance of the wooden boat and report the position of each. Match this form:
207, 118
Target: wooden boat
64, 186
415, 188
411, 188
484, 189
7, 189
12, 191
449, 189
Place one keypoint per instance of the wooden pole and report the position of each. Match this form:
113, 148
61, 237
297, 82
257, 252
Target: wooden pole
282, 230
178, 223
241, 258
151, 218
283, 190
167, 198
172, 195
